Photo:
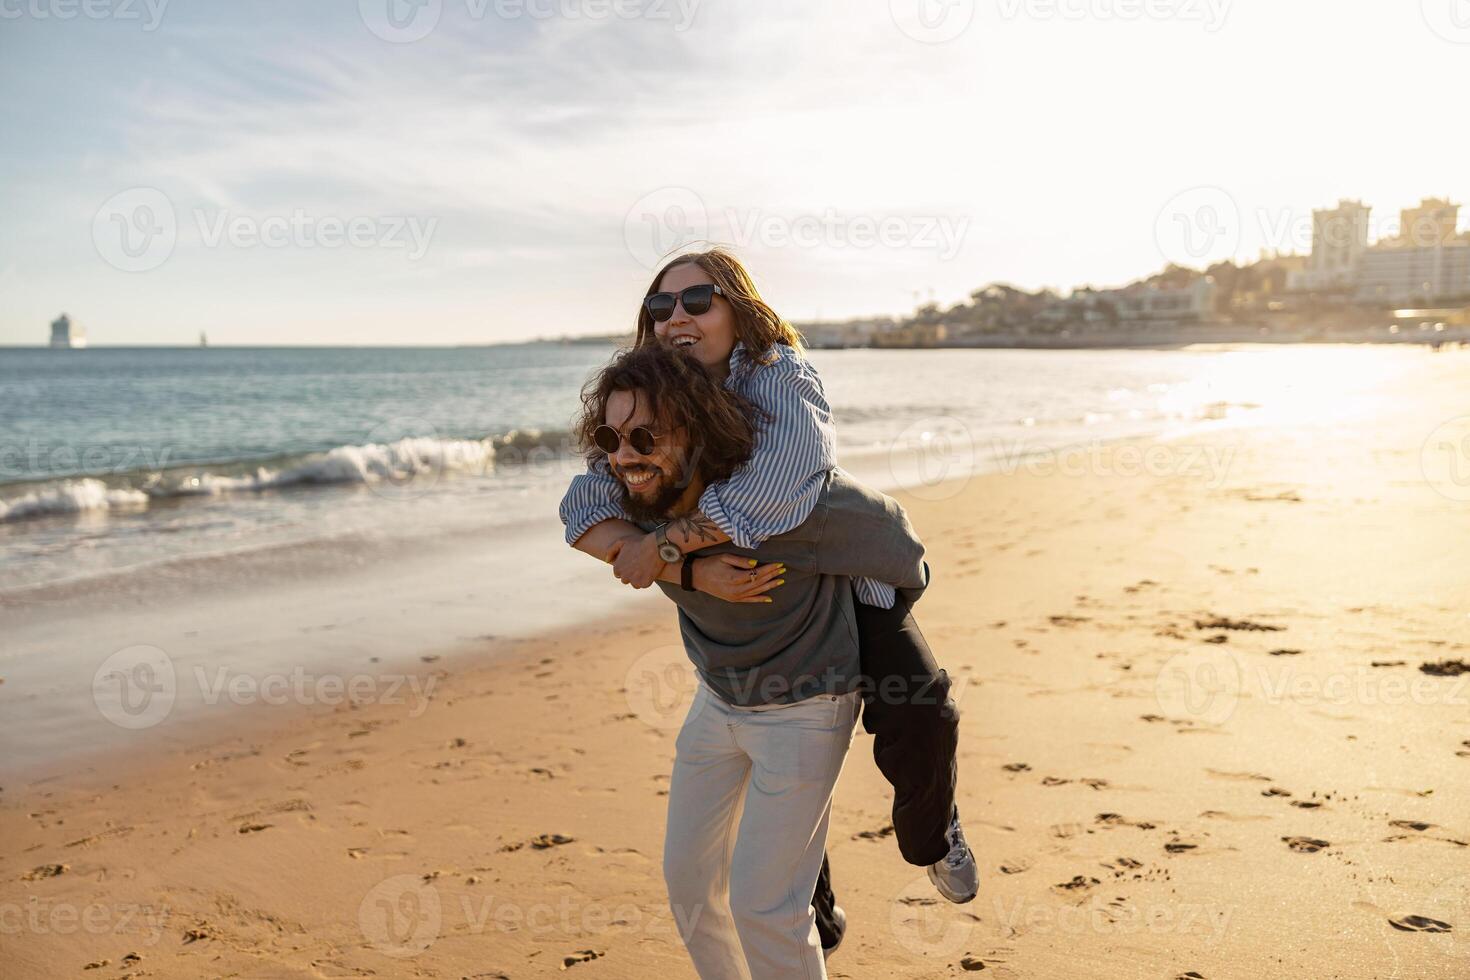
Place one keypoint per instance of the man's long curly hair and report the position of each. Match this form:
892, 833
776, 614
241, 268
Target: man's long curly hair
679, 392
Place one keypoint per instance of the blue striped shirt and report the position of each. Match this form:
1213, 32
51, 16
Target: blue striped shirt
772, 494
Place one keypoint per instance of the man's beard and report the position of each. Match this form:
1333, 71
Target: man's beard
656, 509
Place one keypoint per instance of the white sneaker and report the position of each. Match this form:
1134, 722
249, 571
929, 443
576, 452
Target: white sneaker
839, 919
955, 875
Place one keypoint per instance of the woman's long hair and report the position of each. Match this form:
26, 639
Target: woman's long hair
757, 326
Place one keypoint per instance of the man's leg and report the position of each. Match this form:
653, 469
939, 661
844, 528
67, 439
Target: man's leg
796, 754
915, 727
709, 780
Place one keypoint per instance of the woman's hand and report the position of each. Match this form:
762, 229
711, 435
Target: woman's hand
735, 578
636, 562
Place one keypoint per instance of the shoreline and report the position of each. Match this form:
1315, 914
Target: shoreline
241, 586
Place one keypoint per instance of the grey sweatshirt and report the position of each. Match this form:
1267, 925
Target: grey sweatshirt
805, 641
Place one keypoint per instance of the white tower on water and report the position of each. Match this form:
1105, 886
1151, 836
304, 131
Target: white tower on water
64, 333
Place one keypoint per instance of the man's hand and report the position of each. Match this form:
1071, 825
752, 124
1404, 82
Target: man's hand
636, 562
735, 578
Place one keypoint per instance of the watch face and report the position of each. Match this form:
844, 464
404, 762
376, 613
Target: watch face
669, 552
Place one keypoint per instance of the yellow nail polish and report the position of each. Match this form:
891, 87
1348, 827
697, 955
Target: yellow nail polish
753, 563
780, 581
770, 600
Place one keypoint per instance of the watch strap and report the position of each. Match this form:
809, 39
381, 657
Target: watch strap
686, 574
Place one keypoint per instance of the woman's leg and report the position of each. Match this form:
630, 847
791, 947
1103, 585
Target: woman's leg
796, 754
914, 722
710, 776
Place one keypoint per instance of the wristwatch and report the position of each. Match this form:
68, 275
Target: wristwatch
686, 574
667, 550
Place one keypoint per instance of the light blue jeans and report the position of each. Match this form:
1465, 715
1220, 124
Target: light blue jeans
740, 877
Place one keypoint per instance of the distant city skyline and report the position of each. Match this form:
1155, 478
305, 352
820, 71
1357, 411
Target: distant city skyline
481, 171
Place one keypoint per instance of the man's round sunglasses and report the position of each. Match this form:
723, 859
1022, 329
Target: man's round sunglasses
610, 440
696, 300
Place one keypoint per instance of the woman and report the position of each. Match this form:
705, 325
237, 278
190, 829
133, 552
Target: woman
707, 305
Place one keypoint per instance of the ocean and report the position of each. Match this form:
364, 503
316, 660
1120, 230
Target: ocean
117, 461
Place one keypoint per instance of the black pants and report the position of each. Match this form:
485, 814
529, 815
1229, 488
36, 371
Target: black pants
914, 722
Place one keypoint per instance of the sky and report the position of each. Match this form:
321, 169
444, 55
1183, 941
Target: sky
482, 171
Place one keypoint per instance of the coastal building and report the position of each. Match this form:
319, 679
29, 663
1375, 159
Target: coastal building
1150, 302
1396, 273
64, 333
912, 335
1339, 239
1429, 224
1190, 303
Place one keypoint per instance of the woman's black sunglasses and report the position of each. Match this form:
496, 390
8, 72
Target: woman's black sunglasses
610, 440
696, 300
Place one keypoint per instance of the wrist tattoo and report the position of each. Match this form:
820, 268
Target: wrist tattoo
697, 528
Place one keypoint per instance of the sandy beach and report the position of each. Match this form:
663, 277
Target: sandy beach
1216, 724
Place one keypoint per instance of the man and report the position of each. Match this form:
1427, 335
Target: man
779, 679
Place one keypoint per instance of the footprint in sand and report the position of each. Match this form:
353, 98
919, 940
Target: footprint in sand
1079, 883
1242, 776
1419, 923
1305, 845
1410, 824
884, 831
1225, 623
1234, 817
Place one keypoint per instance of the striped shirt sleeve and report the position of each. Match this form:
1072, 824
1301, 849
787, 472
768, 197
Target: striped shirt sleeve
796, 447
593, 497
